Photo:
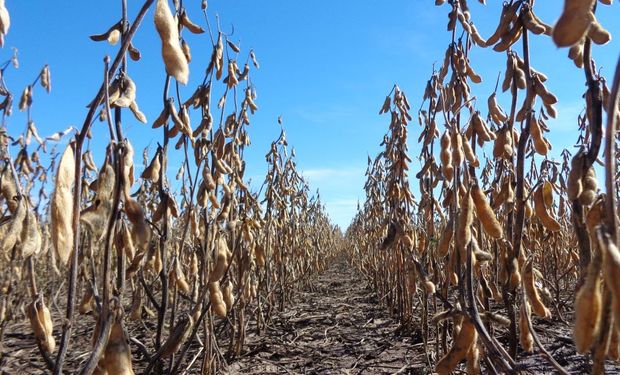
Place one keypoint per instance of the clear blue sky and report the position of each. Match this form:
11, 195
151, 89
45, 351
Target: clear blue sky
326, 67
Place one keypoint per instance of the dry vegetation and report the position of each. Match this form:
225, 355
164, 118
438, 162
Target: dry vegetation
110, 272
494, 248
125, 251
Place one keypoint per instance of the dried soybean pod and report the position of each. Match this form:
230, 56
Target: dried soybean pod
611, 271
446, 156
116, 358
62, 206
473, 360
41, 323
194, 28
221, 259
597, 33
574, 22
31, 235
446, 237
587, 312
5, 22
485, 213
463, 227
466, 338
228, 296
86, 304
590, 185
8, 188
542, 201
140, 232
538, 307
574, 185
217, 299
180, 333
502, 27
174, 58
12, 231
152, 171
458, 155
525, 336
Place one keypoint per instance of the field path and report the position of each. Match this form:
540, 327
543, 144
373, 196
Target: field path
335, 326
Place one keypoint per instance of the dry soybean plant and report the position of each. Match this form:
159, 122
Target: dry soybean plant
168, 273
503, 237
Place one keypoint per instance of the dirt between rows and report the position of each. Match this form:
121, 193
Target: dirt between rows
336, 325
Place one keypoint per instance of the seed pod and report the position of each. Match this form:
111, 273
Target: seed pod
574, 22
11, 232
458, 154
62, 206
476, 37
232, 80
485, 213
96, 216
116, 358
525, 336
140, 232
260, 255
192, 27
446, 157
133, 106
479, 254
134, 53
8, 188
481, 129
611, 271
186, 50
598, 34
502, 27
152, 172
590, 186
41, 323
463, 227
5, 22
466, 338
179, 278
127, 93
31, 235
473, 360
180, 333
543, 199
574, 185
221, 259
534, 24
515, 274
497, 113
532, 293
446, 237
26, 98
46, 80
542, 91
217, 300
86, 304
228, 296
174, 59
136, 305
587, 312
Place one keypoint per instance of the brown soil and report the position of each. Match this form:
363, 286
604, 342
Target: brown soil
335, 326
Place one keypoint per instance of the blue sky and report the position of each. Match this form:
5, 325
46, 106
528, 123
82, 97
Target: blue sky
326, 67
